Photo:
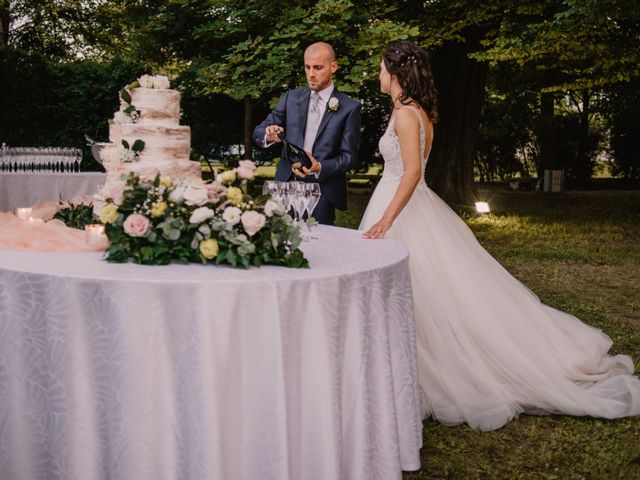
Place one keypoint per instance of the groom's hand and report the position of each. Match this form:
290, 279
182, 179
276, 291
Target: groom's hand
271, 133
315, 166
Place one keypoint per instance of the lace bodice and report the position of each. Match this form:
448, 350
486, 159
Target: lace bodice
389, 146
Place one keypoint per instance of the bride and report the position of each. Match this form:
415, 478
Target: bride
488, 350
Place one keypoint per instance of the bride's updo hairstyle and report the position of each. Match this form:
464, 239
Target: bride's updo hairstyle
410, 64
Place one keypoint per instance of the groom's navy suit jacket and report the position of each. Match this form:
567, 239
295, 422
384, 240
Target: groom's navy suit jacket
336, 144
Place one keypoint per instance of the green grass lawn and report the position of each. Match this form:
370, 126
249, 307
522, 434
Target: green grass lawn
580, 252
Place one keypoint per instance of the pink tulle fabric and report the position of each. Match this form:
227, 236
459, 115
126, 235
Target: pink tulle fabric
44, 234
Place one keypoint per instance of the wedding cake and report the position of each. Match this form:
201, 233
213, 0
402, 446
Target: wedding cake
145, 134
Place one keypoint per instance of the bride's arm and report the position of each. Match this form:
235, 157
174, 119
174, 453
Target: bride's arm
407, 128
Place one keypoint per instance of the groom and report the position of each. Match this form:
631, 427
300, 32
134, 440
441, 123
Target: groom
325, 122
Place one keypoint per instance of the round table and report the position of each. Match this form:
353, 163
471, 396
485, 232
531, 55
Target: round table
112, 371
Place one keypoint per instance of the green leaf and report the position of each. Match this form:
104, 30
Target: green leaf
124, 94
138, 146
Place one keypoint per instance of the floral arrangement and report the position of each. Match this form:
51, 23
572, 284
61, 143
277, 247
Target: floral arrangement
155, 221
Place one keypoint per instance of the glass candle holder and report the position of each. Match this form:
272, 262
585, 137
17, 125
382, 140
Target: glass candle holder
24, 213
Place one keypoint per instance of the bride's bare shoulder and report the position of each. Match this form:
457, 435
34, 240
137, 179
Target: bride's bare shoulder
406, 119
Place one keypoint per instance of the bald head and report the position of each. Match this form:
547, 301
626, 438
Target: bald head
321, 48
320, 65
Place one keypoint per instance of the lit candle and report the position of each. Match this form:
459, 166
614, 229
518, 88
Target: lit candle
24, 213
94, 234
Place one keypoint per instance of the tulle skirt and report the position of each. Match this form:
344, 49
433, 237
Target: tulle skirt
488, 349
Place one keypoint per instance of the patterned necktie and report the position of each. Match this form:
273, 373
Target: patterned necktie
313, 121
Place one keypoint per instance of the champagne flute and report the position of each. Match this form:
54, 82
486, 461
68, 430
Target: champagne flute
313, 197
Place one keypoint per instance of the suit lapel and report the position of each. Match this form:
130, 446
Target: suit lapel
303, 108
327, 114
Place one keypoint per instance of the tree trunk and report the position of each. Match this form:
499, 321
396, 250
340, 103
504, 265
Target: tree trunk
548, 157
583, 164
460, 82
5, 19
248, 128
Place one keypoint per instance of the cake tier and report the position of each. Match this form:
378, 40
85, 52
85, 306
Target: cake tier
166, 168
160, 143
157, 106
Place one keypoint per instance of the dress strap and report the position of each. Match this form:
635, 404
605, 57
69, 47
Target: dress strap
418, 115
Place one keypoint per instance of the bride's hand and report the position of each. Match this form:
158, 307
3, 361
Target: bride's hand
379, 229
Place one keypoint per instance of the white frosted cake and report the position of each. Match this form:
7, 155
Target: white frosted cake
150, 113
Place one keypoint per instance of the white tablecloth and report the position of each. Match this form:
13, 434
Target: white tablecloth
25, 189
182, 372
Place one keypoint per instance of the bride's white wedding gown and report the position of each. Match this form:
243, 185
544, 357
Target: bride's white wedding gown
488, 349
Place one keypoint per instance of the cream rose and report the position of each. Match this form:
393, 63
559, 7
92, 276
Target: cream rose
252, 222
273, 208
246, 169
166, 182
231, 215
146, 81
196, 195
226, 177
136, 225
158, 209
108, 213
161, 81
148, 174
209, 248
234, 195
201, 214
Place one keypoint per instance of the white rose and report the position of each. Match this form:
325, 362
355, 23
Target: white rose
201, 214
252, 222
177, 194
226, 177
114, 189
334, 103
247, 169
273, 208
231, 215
196, 195
120, 118
161, 81
98, 203
146, 81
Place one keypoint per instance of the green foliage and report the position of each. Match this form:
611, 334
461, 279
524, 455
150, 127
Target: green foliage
622, 110
265, 44
76, 216
55, 104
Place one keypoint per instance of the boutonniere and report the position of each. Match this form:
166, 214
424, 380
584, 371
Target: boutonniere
333, 104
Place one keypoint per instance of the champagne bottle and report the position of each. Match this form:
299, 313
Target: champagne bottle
295, 154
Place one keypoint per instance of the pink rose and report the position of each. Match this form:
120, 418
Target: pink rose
216, 191
246, 169
136, 225
252, 222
